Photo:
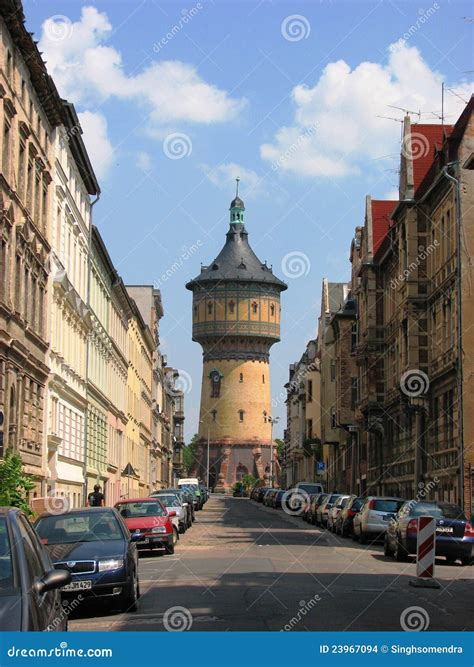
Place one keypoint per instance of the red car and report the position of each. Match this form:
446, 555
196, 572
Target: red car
148, 517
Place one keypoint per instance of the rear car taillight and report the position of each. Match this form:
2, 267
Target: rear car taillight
371, 505
468, 530
412, 526
351, 513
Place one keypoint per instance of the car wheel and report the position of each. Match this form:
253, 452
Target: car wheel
362, 537
175, 535
466, 560
182, 528
169, 549
400, 552
131, 600
451, 559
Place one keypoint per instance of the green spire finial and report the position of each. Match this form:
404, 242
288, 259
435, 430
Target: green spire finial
237, 186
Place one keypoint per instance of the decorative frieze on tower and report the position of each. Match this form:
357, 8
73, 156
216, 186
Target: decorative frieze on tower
236, 320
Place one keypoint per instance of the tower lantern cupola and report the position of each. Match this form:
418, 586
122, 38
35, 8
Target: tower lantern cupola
237, 207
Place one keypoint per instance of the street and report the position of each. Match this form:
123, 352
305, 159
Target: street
247, 567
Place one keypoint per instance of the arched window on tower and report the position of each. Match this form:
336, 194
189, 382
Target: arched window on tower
214, 415
195, 311
254, 306
231, 306
241, 378
272, 309
209, 307
241, 415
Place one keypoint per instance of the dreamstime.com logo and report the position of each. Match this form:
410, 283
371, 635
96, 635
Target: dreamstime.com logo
295, 264
177, 619
61, 651
305, 607
414, 383
414, 619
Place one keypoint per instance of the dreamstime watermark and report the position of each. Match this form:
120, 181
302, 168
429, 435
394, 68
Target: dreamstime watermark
177, 145
58, 27
294, 384
182, 384
414, 619
55, 504
294, 501
305, 607
295, 27
422, 255
68, 607
414, 383
187, 253
423, 492
177, 619
423, 17
295, 264
186, 16
415, 146
294, 147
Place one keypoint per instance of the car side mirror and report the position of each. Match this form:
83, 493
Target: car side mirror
172, 513
52, 580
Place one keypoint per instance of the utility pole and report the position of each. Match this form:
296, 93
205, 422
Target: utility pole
271, 420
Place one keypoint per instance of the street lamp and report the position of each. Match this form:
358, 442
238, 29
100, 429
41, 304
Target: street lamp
271, 420
201, 421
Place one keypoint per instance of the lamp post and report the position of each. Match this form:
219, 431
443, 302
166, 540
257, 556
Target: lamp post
271, 420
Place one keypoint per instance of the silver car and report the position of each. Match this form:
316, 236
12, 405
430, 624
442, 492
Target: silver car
373, 517
323, 509
173, 503
334, 512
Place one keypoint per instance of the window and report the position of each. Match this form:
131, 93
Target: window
21, 169
263, 378
6, 148
333, 419
195, 311
353, 336
309, 391
231, 306
333, 371
254, 307
272, 309
23, 91
8, 64
209, 308
241, 415
214, 415
241, 377
354, 393
309, 428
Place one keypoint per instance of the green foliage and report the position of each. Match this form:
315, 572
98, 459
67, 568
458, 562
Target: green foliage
279, 447
15, 484
189, 454
249, 481
313, 446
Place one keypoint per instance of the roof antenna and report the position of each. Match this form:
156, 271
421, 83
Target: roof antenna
237, 186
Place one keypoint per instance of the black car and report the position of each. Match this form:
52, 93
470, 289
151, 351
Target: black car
276, 500
454, 533
345, 519
30, 599
96, 547
261, 493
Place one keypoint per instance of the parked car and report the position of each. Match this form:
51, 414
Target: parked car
324, 507
150, 519
299, 497
454, 533
314, 506
374, 516
96, 547
334, 512
187, 498
305, 514
276, 499
30, 597
192, 483
261, 493
173, 503
345, 518
204, 491
268, 498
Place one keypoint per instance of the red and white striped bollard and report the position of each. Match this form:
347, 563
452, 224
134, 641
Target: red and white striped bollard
425, 553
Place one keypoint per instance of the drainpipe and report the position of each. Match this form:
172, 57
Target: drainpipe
86, 421
457, 186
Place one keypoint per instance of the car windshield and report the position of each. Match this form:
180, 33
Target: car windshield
169, 500
387, 505
332, 499
310, 488
445, 511
79, 527
141, 508
6, 571
357, 504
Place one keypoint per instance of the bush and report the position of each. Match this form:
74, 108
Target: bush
15, 484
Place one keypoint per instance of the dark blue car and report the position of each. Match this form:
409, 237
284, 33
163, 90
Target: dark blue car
29, 585
454, 533
96, 547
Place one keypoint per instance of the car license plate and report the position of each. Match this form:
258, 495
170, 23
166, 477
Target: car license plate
83, 585
387, 517
444, 529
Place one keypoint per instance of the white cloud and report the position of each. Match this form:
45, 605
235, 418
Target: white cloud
224, 176
143, 161
392, 195
97, 142
342, 109
88, 72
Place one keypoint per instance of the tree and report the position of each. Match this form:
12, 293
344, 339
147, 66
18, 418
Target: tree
280, 445
189, 453
249, 481
15, 484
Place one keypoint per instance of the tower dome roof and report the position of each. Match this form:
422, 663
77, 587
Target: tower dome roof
237, 203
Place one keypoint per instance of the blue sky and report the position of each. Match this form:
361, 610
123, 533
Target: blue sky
176, 100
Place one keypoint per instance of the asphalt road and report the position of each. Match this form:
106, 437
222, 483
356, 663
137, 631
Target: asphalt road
246, 567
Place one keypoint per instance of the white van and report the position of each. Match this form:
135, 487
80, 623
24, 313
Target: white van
188, 480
